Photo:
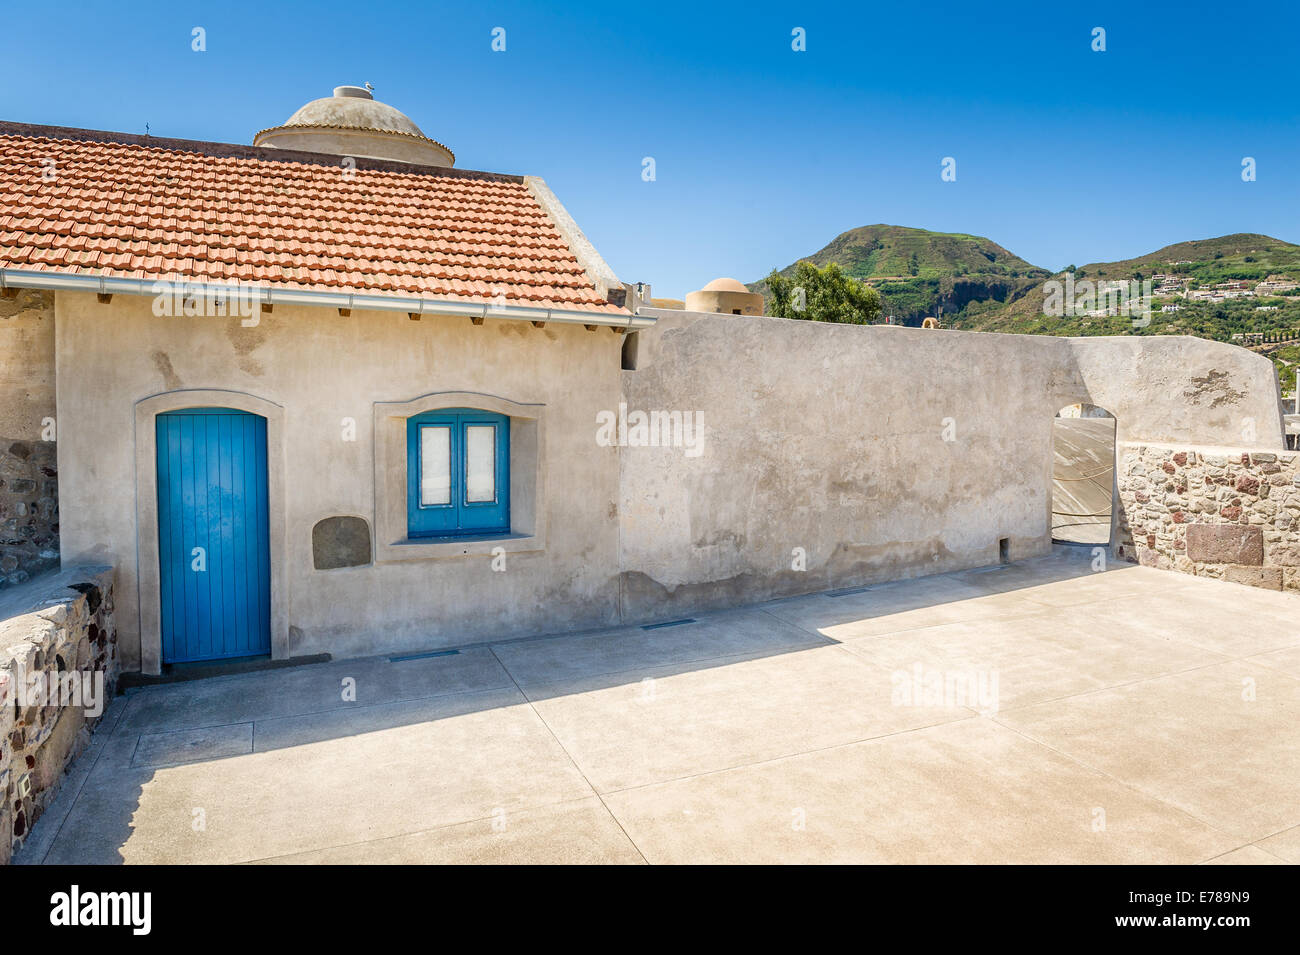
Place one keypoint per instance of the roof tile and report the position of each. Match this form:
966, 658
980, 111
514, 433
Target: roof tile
133, 210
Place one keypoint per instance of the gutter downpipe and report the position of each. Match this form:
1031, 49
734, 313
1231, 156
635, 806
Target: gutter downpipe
270, 295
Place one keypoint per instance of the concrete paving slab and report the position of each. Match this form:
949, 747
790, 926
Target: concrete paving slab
966, 792
574, 833
309, 689
1194, 739
1032, 658
438, 762
1118, 692
736, 633
1230, 620
1285, 845
1246, 855
1287, 660
1061, 582
191, 746
907, 605
659, 725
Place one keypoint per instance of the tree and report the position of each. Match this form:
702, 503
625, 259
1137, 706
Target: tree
913, 265
823, 295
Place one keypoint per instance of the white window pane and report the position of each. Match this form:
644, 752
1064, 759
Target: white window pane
435, 465
480, 463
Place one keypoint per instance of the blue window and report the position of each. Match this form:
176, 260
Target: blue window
457, 473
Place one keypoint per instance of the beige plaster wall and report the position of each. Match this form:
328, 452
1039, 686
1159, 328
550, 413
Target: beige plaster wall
322, 368
831, 438
875, 452
1175, 388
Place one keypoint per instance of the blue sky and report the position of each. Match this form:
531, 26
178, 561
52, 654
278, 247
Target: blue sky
762, 154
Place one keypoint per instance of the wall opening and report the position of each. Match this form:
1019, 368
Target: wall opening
1004, 550
1083, 475
630, 342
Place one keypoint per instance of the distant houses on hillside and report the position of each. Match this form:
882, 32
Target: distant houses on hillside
1175, 286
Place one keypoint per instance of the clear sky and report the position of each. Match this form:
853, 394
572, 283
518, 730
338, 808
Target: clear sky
761, 154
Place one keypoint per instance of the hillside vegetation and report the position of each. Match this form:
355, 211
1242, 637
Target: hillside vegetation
972, 283
920, 273
1202, 262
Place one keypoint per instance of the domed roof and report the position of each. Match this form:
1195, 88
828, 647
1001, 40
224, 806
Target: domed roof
354, 107
724, 285
353, 123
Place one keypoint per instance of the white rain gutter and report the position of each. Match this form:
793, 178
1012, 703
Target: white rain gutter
270, 295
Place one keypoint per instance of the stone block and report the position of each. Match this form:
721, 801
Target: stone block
1226, 544
1270, 578
340, 542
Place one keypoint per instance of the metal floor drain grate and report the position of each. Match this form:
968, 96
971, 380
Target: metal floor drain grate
668, 623
847, 592
423, 656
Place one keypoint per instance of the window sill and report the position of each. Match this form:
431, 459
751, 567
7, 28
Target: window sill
433, 548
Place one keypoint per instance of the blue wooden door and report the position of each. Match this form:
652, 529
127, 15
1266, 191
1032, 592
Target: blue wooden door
213, 541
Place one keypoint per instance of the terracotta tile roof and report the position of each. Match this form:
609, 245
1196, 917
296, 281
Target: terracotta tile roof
212, 212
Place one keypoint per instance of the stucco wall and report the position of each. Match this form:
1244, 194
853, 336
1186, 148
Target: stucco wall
321, 368
29, 492
831, 456
1177, 388
882, 452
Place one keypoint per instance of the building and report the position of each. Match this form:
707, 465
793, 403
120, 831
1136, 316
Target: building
306, 401
726, 297
389, 371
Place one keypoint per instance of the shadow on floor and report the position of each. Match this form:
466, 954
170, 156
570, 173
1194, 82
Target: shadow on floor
166, 731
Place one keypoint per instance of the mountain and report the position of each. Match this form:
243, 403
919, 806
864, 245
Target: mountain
920, 273
972, 283
1199, 264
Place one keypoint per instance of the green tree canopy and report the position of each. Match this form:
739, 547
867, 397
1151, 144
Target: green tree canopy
822, 295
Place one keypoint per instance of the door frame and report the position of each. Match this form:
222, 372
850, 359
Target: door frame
148, 566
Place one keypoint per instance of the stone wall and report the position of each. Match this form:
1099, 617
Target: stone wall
29, 484
29, 509
1226, 513
51, 628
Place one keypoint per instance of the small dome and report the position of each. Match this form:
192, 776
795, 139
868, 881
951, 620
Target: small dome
725, 297
354, 107
353, 123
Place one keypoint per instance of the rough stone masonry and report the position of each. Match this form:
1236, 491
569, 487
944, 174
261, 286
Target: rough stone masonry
29, 480
70, 631
1214, 512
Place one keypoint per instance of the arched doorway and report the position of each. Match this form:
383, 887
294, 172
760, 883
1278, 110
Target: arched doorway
1083, 475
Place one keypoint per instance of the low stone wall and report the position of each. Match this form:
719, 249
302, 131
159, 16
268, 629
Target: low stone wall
58, 672
1227, 513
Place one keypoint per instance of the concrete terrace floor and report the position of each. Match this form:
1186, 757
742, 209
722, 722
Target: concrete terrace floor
1124, 733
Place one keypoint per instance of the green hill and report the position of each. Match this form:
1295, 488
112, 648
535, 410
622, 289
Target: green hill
973, 283
1199, 264
920, 273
